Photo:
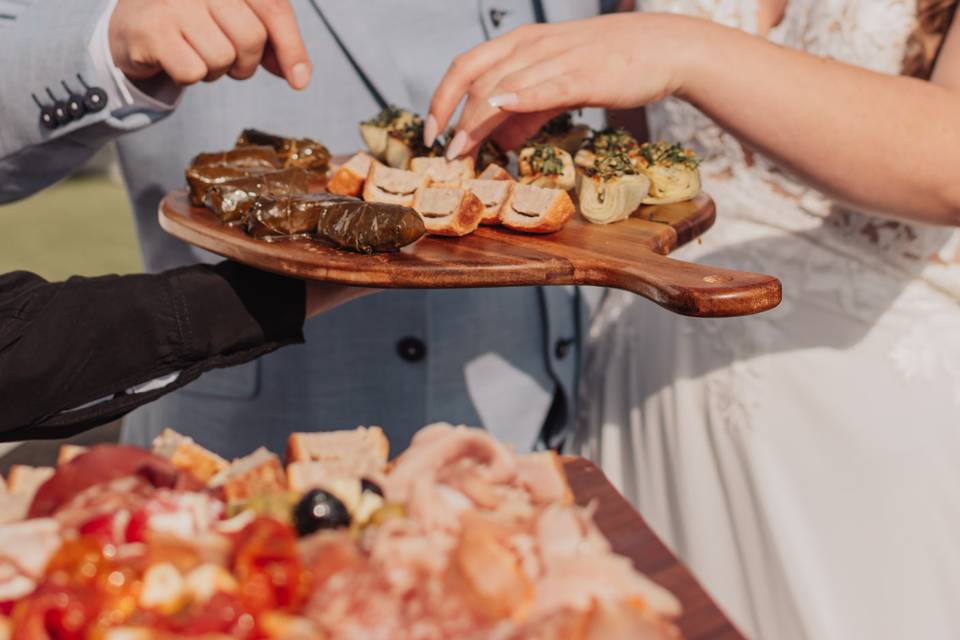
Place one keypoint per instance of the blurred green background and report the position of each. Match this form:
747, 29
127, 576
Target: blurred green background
81, 226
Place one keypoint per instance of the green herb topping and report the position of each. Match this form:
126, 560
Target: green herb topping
665, 154
612, 139
545, 160
612, 165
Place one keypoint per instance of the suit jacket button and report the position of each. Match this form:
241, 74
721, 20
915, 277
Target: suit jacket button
95, 99
48, 120
497, 16
62, 112
412, 349
562, 347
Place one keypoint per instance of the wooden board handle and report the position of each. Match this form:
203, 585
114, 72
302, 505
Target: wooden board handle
691, 289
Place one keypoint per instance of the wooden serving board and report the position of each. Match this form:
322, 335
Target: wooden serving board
631, 537
627, 255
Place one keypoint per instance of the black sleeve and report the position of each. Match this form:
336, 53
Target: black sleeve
65, 345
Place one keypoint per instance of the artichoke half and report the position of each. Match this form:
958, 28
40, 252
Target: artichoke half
606, 200
673, 172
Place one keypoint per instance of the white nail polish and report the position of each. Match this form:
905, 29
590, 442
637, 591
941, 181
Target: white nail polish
503, 100
430, 131
456, 145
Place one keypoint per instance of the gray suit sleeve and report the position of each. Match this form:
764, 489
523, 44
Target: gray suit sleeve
44, 44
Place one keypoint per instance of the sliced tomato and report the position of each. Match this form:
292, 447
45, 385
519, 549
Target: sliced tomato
267, 566
55, 613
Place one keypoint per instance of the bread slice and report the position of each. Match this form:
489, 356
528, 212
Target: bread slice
537, 209
359, 447
259, 473
348, 180
392, 186
493, 194
448, 211
443, 171
495, 172
188, 456
68, 452
316, 474
26, 480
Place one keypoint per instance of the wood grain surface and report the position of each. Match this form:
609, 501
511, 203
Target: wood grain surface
628, 255
631, 537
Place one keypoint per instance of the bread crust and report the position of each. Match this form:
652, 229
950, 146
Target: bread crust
464, 220
349, 178
304, 447
557, 214
262, 479
188, 456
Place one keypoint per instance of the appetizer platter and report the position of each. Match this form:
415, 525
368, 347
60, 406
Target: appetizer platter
457, 537
573, 206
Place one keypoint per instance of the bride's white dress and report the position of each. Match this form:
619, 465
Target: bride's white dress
804, 462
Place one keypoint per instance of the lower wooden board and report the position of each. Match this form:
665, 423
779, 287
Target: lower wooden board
628, 255
630, 536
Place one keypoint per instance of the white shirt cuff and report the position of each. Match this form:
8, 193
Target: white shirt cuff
164, 94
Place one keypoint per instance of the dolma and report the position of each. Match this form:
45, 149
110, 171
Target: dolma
250, 156
199, 179
345, 222
231, 201
299, 153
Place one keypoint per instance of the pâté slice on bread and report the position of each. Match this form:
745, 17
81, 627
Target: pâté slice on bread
493, 194
537, 209
448, 211
392, 186
443, 171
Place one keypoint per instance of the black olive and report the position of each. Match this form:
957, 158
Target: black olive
371, 486
318, 510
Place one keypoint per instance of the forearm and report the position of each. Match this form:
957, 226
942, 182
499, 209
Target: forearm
884, 143
63, 345
52, 46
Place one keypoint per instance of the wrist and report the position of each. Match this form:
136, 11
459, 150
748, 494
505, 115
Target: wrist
691, 42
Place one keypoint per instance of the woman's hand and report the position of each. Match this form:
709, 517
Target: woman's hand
518, 81
194, 40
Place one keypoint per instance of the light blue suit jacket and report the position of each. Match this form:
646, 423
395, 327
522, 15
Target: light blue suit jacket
495, 357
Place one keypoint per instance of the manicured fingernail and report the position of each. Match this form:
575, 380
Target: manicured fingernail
300, 75
503, 100
456, 145
430, 131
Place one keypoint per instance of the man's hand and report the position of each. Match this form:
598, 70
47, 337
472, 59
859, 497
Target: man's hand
194, 40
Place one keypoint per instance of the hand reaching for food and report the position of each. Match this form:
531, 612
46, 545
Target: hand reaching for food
202, 40
515, 83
